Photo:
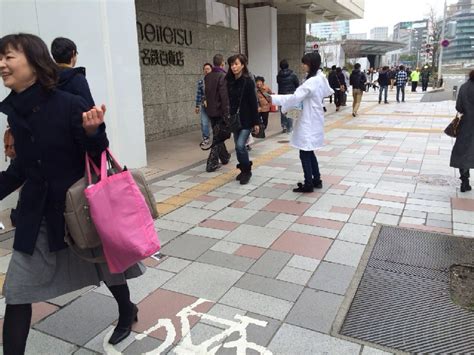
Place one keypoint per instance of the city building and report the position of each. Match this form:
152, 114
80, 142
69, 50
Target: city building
356, 36
329, 30
461, 47
379, 33
415, 35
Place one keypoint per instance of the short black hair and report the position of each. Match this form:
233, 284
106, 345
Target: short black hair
402, 67
284, 64
260, 78
357, 66
333, 67
207, 64
218, 60
63, 49
338, 70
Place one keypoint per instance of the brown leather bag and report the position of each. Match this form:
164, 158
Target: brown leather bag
9, 144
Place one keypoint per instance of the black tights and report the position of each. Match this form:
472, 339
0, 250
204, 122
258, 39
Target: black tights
17, 321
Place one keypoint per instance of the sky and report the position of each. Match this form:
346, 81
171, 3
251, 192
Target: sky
383, 13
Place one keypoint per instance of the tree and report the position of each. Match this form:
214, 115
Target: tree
434, 34
351, 52
310, 38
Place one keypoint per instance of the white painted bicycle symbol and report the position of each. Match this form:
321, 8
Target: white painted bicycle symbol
210, 346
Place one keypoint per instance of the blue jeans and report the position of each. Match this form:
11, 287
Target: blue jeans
240, 140
402, 89
383, 88
204, 123
310, 166
286, 122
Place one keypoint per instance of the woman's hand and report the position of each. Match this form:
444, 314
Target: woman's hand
256, 129
91, 120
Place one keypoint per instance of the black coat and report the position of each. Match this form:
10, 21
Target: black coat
358, 79
50, 145
73, 80
336, 80
287, 82
462, 155
383, 78
243, 91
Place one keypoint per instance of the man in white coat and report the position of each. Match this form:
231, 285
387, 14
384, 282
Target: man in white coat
308, 132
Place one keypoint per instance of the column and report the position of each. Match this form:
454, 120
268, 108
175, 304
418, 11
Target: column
292, 40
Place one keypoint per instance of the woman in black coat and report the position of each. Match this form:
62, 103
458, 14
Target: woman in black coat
52, 130
462, 156
242, 99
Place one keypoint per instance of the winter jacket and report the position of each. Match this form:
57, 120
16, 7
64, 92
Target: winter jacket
336, 80
415, 76
287, 82
383, 78
264, 103
73, 80
358, 79
462, 155
425, 75
242, 93
217, 96
50, 145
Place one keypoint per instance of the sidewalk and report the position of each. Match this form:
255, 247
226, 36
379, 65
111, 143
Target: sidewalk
268, 264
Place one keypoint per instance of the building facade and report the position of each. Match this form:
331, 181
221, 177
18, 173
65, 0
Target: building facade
461, 48
356, 36
415, 35
331, 31
379, 33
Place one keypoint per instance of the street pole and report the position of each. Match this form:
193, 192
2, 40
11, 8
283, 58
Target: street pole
440, 58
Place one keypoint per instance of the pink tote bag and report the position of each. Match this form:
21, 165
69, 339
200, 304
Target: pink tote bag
121, 217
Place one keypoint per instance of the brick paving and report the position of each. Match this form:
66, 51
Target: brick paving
264, 252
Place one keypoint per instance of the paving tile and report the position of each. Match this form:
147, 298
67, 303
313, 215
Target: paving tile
461, 216
366, 207
69, 297
295, 340
367, 350
267, 192
270, 287
270, 264
465, 204
290, 207
226, 247
219, 204
199, 333
188, 246
415, 214
392, 211
441, 224
83, 351
302, 244
294, 275
333, 278
355, 233
42, 344
188, 215
257, 303
161, 223
237, 215
387, 219
226, 260
276, 224
327, 215
166, 235
205, 281
304, 263
4, 262
328, 200
216, 224
142, 286
250, 251
97, 343
172, 264
362, 217
209, 232
166, 304
286, 217
320, 222
261, 218
254, 235
313, 230
315, 310
82, 320
380, 203
412, 220
41, 310
262, 335
345, 253
144, 346
343, 210
223, 312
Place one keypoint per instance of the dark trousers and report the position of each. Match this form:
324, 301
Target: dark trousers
310, 166
414, 85
424, 85
338, 97
383, 89
402, 89
217, 152
264, 118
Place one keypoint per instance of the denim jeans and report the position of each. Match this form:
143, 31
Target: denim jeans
240, 140
402, 89
310, 166
385, 89
286, 122
204, 123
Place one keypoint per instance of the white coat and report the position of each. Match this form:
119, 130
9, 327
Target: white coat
308, 131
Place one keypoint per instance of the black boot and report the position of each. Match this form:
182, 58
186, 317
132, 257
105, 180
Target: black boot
123, 330
465, 186
213, 160
224, 155
246, 173
317, 184
240, 174
128, 313
304, 188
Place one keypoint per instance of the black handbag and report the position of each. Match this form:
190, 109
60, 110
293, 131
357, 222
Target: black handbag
452, 129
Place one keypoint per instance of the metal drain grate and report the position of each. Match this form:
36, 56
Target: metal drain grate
401, 300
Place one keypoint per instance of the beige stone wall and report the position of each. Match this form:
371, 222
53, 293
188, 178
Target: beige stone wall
292, 40
169, 90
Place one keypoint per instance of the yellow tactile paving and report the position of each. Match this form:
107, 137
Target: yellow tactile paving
177, 200
192, 193
164, 208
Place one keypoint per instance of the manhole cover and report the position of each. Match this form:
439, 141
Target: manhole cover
400, 299
284, 141
374, 138
437, 180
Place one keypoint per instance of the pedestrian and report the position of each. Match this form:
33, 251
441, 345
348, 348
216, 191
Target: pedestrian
264, 101
73, 81
375, 79
383, 82
357, 80
425, 78
415, 77
201, 104
243, 102
52, 130
392, 75
462, 155
408, 71
337, 83
71, 78
347, 83
401, 79
308, 133
217, 99
287, 84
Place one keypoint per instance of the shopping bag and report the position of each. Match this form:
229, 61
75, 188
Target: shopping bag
121, 217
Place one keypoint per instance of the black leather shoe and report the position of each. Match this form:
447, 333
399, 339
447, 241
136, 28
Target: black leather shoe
318, 184
120, 332
303, 188
465, 187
